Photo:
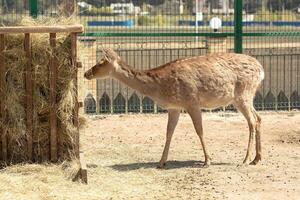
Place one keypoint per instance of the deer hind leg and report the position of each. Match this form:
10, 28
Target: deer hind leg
257, 138
245, 107
196, 116
173, 116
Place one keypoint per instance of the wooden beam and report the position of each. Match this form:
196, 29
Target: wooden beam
3, 139
29, 97
76, 109
53, 104
42, 29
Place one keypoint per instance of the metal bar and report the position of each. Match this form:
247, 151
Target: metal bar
271, 34
3, 140
53, 104
76, 109
29, 97
33, 5
139, 34
203, 34
238, 26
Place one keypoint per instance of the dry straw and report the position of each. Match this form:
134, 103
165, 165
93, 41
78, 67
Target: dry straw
14, 123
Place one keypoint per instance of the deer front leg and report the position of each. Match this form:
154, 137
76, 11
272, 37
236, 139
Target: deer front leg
173, 116
196, 116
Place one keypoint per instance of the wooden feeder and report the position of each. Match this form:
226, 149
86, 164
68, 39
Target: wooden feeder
73, 30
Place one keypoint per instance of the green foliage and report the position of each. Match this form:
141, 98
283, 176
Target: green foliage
151, 2
144, 21
251, 6
266, 15
157, 20
98, 3
189, 5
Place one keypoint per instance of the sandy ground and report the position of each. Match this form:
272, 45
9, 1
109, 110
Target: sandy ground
122, 153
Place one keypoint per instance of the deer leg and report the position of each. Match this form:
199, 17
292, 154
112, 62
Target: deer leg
245, 108
196, 116
173, 116
257, 138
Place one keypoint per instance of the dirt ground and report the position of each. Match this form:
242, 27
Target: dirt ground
122, 151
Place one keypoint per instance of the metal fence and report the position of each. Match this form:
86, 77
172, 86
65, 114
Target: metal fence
157, 31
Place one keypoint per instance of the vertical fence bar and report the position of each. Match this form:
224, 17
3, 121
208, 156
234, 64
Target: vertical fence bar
33, 6
3, 150
29, 97
238, 26
76, 109
53, 104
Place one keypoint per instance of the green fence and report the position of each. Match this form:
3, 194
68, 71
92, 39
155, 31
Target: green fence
150, 33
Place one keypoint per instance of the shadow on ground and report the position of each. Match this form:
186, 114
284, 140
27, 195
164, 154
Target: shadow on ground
169, 165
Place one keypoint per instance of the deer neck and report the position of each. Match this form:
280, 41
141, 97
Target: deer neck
137, 80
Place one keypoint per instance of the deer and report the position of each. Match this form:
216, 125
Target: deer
192, 84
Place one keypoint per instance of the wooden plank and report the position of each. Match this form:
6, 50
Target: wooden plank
3, 138
42, 29
76, 109
53, 104
29, 97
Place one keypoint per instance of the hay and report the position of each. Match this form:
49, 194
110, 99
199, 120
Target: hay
15, 119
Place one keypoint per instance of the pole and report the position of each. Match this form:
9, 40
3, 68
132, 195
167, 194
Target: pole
238, 26
196, 25
33, 7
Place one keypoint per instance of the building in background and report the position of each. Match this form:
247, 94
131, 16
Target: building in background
124, 8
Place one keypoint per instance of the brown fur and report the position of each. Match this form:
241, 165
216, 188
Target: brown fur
194, 83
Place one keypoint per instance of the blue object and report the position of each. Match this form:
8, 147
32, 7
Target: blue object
128, 23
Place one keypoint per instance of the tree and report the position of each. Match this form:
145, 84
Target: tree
98, 3
251, 6
151, 2
278, 5
189, 5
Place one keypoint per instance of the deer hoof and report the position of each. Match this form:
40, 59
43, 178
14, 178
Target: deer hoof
255, 161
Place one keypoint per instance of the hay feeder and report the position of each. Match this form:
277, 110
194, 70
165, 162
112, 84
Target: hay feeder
26, 148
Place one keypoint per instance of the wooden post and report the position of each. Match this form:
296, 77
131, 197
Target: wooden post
3, 139
83, 169
53, 105
82, 172
76, 109
29, 97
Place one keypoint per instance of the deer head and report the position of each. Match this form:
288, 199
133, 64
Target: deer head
105, 67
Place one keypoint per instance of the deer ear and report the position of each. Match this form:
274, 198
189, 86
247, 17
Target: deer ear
110, 55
